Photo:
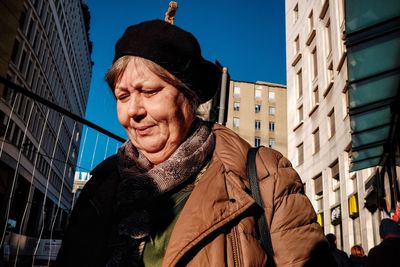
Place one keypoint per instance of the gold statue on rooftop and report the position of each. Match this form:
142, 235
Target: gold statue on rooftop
170, 14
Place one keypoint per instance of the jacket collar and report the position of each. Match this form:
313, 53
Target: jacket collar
217, 199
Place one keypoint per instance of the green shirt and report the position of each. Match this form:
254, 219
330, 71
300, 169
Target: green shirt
163, 216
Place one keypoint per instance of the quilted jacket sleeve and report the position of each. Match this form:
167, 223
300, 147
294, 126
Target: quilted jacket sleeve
297, 238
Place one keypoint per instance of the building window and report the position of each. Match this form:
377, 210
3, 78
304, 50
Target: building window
336, 221
271, 126
315, 96
331, 123
257, 141
236, 106
295, 13
335, 182
316, 140
22, 61
330, 73
340, 6
318, 191
300, 114
300, 154
314, 63
22, 20
236, 122
328, 38
236, 91
271, 143
345, 103
257, 125
272, 111
14, 52
310, 21
257, 94
271, 96
297, 45
299, 82
257, 108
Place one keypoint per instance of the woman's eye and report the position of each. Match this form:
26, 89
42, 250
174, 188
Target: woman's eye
123, 97
150, 92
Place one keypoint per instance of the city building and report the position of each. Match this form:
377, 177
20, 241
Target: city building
341, 155
80, 179
319, 128
257, 112
44, 48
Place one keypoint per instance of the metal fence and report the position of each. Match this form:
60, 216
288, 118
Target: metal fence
46, 153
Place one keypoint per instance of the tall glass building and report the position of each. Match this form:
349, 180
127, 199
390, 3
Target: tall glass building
44, 48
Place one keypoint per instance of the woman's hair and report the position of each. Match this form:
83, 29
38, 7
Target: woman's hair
357, 251
117, 69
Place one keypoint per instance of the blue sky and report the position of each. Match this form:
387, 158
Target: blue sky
248, 37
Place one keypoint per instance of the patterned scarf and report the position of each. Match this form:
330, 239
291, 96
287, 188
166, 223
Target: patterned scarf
142, 183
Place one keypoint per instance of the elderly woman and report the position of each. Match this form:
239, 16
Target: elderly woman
176, 194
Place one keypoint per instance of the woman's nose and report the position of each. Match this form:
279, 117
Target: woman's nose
135, 107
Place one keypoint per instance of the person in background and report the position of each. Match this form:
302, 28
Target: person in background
341, 258
357, 256
386, 254
176, 193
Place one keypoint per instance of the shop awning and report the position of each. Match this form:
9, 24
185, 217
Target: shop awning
373, 60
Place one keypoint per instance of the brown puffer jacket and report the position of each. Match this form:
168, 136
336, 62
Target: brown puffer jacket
217, 225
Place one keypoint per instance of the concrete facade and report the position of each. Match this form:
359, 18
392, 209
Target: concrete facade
257, 112
318, 122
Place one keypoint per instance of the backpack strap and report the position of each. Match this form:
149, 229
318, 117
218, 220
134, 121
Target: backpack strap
255, 192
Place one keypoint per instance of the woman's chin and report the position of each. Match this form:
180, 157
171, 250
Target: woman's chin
157, 156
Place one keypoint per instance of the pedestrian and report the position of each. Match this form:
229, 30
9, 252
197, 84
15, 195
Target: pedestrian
176, 193
357, 256
387, 252
341, 258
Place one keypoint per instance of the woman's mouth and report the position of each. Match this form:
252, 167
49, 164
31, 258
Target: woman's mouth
143, 130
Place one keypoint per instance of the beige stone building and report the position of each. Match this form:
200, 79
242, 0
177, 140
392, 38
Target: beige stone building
318, 123
257, 112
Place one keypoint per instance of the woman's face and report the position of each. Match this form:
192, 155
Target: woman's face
154, 113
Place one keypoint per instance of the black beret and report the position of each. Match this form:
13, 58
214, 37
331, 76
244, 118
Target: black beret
174, 49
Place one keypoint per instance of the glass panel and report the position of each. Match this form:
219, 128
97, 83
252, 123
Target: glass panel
372, 136
236, 91
370, 119
271, 96
236, 122
300, 154
271, 143
364, 164
362, 58
257, 93
361, 14
367, 153
236, 106
257, 141
373, 90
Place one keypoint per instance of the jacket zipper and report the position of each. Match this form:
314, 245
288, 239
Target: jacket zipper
235, 247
